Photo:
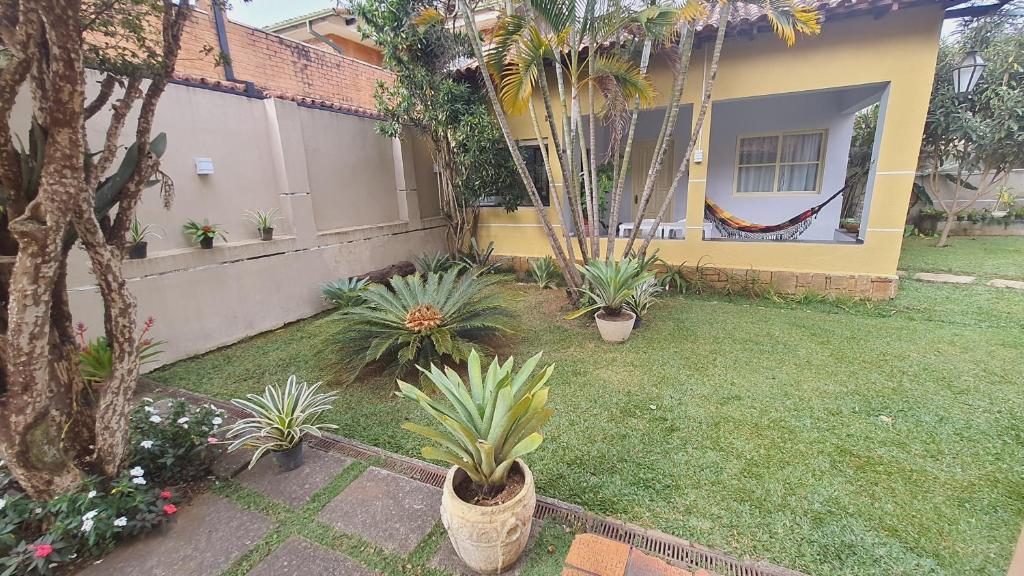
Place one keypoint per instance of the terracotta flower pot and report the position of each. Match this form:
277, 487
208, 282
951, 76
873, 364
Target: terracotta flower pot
489, 539
615, 329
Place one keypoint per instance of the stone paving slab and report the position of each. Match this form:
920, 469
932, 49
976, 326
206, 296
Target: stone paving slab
944, 278
229, 464
1000, 283
446, 559
300, 557
295, 487
208, 535
389, 510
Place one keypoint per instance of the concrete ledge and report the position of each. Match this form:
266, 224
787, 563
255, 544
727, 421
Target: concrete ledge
185, 258
357, 233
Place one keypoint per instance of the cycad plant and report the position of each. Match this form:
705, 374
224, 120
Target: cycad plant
610, 284
436, 263
480, 260
345, 292
612, 82
279, 418
419, 321
486, 423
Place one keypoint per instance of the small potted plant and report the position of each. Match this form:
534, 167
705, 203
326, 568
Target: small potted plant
487, 426
264, 221
611, 285
137, 234
204, 233
851, 225
279, 420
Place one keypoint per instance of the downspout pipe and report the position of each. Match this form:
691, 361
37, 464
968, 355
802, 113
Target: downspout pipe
222, 40
322, 38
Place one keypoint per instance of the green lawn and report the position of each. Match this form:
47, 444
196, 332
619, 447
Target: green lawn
871, 440
987, 257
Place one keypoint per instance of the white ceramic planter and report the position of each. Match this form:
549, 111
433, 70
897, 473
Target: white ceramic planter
489, 539
616, 330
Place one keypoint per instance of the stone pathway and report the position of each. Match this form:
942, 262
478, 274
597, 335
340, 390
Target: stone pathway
956, 279
336, 516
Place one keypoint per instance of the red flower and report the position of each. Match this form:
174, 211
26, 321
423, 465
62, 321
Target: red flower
170, 509
43, 550
165, 495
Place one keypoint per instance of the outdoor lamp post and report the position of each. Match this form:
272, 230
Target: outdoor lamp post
967, 73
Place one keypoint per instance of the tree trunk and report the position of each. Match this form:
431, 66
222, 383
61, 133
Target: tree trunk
946, 227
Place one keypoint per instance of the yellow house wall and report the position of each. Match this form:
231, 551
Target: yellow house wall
899, 49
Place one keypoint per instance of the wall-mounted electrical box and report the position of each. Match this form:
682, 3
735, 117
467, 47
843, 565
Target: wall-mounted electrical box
698, 156
204, 166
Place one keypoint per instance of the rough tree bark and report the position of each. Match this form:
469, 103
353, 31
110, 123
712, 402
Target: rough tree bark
53, 427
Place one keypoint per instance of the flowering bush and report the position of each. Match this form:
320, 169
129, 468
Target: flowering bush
170, 447
174, 445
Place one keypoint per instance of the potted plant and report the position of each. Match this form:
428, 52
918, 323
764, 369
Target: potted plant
137, 235
204, 233
279, 420
488, 425
611, 285
851, 225
264, 221
644, 296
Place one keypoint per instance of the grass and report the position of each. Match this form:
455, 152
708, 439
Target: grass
987, 257
853, 439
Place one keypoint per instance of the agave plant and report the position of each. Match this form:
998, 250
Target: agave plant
480, 261
345, 292
420, 320
280, 418
544, 271
644, 296
436, 263
487, 423
611, 284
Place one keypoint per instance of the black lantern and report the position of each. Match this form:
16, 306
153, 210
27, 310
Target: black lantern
967, 73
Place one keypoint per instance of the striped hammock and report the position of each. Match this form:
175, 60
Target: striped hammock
731, 226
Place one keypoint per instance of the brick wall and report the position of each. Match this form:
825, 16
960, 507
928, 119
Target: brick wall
276, 64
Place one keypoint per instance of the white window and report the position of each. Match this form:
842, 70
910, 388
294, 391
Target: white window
780, 163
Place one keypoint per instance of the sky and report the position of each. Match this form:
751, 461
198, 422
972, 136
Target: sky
260, 13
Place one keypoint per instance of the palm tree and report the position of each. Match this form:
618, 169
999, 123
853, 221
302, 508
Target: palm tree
568, 35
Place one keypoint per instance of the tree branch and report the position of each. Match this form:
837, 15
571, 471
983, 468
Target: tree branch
121, 109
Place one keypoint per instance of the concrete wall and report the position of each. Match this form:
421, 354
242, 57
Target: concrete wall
348, 200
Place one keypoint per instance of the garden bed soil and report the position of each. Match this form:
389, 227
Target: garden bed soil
468, 492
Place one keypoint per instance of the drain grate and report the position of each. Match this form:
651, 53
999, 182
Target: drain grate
680, 552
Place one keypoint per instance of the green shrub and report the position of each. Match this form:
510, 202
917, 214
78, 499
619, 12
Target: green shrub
480, 261
174, 445
345, 292
418, 321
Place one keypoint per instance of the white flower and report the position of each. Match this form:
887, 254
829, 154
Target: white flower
91, 494
147, 444
155, 419
149, 409
217, 421
140, 480
90, 515
183, 420
137, 471
87, 525
3, 502
122, 521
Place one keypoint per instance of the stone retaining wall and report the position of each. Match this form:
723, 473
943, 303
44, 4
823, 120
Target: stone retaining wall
784, 282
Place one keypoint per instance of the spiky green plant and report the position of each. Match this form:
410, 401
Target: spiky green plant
480, 260
610, 284
487, 423
345, 292
644, 296
280, 418
436, 263
419, 321
545, 271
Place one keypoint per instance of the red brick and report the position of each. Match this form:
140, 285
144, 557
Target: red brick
641, 564
599, 556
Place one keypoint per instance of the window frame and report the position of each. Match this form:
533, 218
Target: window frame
778, 164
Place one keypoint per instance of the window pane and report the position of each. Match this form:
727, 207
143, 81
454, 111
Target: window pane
801, 147
535, 166
756, 179
759, 150
798, 178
